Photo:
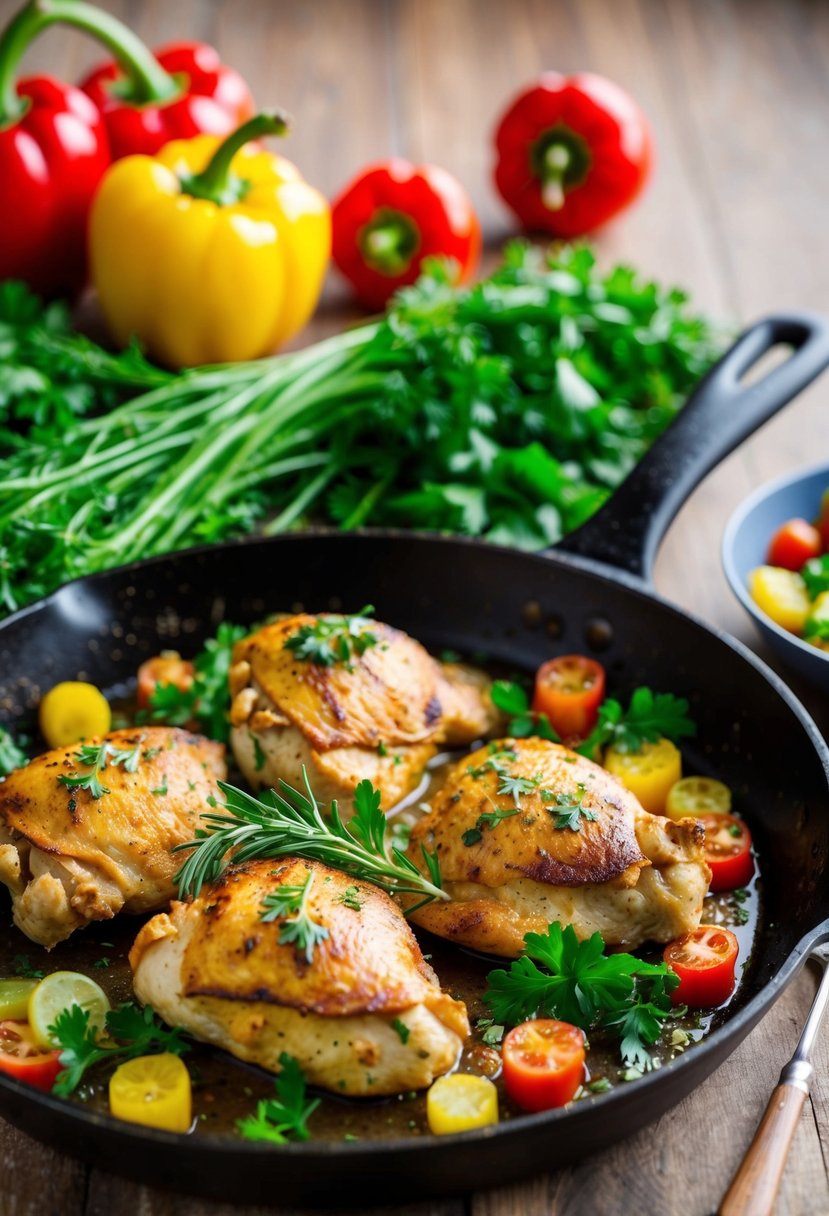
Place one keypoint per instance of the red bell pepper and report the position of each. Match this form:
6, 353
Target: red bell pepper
391, 217
53, 152
196, 93
572, 152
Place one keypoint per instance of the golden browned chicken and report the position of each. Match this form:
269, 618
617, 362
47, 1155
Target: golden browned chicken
69, 857
528, 832
360, 1010
378, 712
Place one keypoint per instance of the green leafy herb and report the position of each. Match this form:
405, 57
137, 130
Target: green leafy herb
288, 822
649, 717
508, 409
207, 701
258, 753
286, 1116
569, 810
23, 967
290, 905
12, 755
578, 983
130, 1031
816, 627
352, 898
333, 639
96, 760
493, 1033
103, 963
401, 1029
815, 574
512, 700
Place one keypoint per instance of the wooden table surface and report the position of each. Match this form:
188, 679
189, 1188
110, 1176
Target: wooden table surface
738, 93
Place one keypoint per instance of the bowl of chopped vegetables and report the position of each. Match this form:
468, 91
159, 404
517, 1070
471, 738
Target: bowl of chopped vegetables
775, 553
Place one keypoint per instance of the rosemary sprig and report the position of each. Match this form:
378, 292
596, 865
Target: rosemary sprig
288, 822
298, 926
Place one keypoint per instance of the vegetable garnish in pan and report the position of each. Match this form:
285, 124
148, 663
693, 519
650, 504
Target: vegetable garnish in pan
793, 588
286, 950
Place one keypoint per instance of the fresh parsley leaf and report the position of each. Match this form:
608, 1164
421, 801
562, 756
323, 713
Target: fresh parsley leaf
513, 787
205, 704
12, 755
816, 627
569, 809
352, 898
649, 717
401, 1029
286, 1116
578, 983
23, 967
130, 1031
96, 758
512, 700
289, 904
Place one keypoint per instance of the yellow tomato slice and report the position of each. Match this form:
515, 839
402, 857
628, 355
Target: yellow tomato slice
14, 998
154, 1091
460, 1103
61, 990
698, 796
73, 711
648, 773
782, 595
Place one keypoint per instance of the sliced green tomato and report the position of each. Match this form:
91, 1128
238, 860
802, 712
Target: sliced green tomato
60, 991
782, 595
14, 998
698, 796
816, 628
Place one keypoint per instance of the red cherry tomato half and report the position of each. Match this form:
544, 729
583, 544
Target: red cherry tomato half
543, 1063
794, 544
569, 691
704, 961
22, 1058
727, 851
166, 668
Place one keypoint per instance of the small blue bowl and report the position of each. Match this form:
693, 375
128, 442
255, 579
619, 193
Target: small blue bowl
745, 545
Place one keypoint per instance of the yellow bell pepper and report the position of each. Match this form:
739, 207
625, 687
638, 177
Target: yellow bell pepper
209, 251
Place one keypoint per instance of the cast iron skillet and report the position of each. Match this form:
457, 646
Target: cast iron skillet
592, 593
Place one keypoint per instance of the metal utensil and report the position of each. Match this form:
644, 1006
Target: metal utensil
757, 1181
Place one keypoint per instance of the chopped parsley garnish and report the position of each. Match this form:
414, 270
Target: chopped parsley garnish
286, 1116
568, 810
258, 753
352, 898
96, 760
578, 983
130, 1031
401, 1030
650, 716
333, 639
23, 968
161, 790
512, 700
298, 927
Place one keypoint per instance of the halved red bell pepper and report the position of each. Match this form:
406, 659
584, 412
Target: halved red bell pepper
392, 216
572, 151
53, 152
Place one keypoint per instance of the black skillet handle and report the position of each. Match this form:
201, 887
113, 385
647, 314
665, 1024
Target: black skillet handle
719, 415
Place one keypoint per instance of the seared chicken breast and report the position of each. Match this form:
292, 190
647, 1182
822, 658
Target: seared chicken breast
528, 832
69, 857
361, 1011
380, 714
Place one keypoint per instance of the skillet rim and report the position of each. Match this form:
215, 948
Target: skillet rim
733, 1029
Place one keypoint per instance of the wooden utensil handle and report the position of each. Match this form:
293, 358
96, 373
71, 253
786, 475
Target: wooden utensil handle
755, 1185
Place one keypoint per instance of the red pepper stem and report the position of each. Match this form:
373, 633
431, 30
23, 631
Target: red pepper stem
214, 182
557, 160
389, 242
148, 79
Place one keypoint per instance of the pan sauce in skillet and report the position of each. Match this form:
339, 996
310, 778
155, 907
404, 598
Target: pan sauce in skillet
225, 1089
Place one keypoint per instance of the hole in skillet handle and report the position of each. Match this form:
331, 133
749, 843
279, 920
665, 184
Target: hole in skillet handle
726, 407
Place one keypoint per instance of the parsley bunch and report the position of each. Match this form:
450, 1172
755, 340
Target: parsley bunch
508, 409
130, 1031
207, 701
578, 983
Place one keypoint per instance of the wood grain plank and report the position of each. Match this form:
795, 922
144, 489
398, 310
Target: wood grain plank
35, 1180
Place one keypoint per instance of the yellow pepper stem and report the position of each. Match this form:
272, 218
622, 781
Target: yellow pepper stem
216, 182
